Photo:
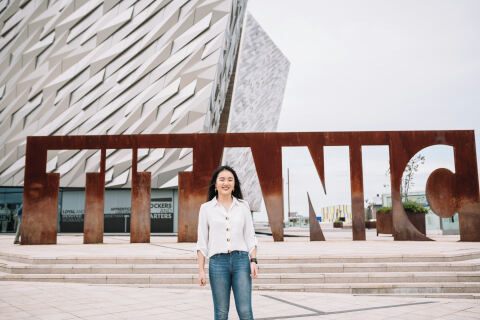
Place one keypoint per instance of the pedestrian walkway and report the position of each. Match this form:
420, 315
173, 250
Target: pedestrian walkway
63, 300
337, 244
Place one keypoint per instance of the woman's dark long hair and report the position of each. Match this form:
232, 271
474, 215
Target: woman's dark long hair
237, 192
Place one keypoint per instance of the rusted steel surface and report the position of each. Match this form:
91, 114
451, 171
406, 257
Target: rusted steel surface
316, 233
469, 219
94, 201
466, 188
40, 199
93, 218
41, 189
356, 185
140, 215
402, 149
140, 207
193, 186
384, 222
441, 192
267, 155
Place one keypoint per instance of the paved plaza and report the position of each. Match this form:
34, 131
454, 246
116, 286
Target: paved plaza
49, 301
59, 300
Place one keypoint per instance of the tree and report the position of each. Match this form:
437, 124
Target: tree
408, 175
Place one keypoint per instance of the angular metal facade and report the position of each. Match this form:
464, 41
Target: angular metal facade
260, 80
96, 67
112, 67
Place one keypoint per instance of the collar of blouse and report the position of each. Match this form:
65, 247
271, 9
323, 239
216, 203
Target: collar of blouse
214, 202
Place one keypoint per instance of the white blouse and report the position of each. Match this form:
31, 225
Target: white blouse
221, 231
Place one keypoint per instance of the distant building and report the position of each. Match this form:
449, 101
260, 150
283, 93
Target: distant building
416, 196
433, 222
342, 212
298, 221
372, 206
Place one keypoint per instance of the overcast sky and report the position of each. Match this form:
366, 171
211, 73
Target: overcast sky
361, 65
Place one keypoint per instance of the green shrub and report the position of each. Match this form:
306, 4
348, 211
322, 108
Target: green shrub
410, 206
384, 209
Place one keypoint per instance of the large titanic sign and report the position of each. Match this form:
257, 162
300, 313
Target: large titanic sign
447, 192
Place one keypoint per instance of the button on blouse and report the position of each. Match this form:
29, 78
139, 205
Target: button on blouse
222, 231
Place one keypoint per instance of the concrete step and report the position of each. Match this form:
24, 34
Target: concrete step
24, 268
371, 267
18, 268
377, 258
402, 275
429, 295
96, 260
373, 277
378, 288
429, 289
263, 279
104, 278
420, 290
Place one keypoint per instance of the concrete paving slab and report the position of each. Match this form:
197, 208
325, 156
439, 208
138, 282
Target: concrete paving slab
70, 249
86, 301
64, 300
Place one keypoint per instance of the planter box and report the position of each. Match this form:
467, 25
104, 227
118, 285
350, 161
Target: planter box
385, 221
338, 224
372, 224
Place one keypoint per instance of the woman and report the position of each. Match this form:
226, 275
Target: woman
19, 224
227, 237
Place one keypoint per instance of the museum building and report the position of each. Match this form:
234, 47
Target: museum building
101, 67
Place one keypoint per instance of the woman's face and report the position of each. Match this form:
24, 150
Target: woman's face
225, 183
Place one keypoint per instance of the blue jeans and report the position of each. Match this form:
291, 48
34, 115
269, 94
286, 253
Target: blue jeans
231, 271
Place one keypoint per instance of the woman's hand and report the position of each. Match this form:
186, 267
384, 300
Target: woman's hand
201, 271
254, 270
201, 278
